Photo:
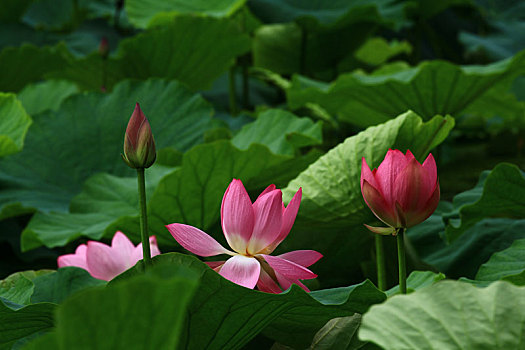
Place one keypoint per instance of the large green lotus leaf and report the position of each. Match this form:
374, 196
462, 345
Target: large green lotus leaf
194, 50
315, 14
104, 199
52, 15
29, 63
508, 264
224, 315
121, 316
332, 211
141, 13
57, 286
449, 315
85, 136
464, 256
39, 97
268, 130
435, 87
339, 333
376, 51
18, 287
418, 280
17, 322
14, 123
285, 49
503, 195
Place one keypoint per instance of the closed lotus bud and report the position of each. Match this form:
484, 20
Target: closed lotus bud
139, 146
401, 192
103, 47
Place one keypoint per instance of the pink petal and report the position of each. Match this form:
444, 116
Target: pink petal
123, 246
302, 257
367, 174
78, 259
289, 215
410, 188
103, 262
237, 217
387, 172
287, 283
287, 268
378, 205
431, 173
267, 190
268, 219
241, 270
138, 253
426, 210
196, 241
267, 284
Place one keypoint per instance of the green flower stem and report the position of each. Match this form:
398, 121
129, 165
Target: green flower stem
401, 260
233, 101
143, 217
380, 262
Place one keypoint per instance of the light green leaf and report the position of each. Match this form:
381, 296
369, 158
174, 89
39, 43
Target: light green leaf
47, 95
14, 123
339, 333
376, 51
19, 322
435, 87
449, 315
224, 315
142, 13
29, 63
57, 286
503, 196
268, 130
18, 287
508, 264
418, 280
87, 134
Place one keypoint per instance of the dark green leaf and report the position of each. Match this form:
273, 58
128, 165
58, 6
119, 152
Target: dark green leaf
14, 123
508, 264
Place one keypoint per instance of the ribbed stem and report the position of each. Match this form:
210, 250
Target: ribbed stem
143, 217
401, 260
233, 100
380, 262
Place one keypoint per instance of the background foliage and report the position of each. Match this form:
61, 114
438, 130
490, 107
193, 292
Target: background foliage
291, 92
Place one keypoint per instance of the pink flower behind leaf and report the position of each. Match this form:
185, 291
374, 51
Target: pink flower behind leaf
401, 192
253, 231
106, 262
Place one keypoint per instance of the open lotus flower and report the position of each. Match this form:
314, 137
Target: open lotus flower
401, 192
253, 231
105, 262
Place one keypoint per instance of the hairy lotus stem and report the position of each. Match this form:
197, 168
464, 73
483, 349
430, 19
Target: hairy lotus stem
143, 217
401, 260
380, 263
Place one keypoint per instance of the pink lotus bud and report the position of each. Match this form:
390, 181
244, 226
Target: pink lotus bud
139, 146
400, 192
103, 47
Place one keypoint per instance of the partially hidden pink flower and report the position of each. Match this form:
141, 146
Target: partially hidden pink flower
106, 262
401, 192
253, 231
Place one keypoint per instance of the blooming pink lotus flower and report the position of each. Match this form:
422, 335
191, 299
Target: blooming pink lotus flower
139, 145
105, 262
253, 231
401, 192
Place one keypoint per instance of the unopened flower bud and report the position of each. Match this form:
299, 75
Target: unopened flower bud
103, 48
139, 145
